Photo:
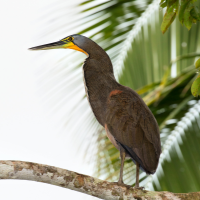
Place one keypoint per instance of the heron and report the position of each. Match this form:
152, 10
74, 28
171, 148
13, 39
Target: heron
129, 124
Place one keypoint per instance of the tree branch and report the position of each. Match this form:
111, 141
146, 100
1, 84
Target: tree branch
82, 183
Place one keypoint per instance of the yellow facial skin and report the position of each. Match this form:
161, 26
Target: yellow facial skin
66, 43
71, 45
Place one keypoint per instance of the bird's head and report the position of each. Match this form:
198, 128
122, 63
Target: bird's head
76, 42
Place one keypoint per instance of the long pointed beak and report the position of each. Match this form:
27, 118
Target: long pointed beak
59, 45
54, 45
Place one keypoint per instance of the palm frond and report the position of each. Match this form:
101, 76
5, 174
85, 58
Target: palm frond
115, 20
180, 157
143, 66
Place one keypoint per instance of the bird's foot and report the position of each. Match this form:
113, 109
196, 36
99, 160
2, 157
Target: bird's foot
139, 188
121, 183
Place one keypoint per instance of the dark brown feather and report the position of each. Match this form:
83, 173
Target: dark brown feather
128, 121
133, 125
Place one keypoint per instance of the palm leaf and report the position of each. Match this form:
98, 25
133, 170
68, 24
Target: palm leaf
145, 63
180, 158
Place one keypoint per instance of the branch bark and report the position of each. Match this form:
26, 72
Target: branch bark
83, 183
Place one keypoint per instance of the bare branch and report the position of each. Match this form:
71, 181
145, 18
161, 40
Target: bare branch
82, 183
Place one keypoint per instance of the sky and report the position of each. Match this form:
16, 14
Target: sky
29, 131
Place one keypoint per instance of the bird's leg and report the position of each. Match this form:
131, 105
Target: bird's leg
137, 175
122, 155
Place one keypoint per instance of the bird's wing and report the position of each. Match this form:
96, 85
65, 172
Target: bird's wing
133, 125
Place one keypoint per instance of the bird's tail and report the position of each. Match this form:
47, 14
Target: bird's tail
135, 159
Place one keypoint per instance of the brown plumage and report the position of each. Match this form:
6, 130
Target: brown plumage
128, 122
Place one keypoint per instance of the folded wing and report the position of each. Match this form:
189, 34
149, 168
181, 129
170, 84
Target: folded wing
134, 127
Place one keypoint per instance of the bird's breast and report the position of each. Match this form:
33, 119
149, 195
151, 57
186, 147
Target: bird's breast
98, 88
111, 138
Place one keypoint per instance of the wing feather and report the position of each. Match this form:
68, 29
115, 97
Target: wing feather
133, 125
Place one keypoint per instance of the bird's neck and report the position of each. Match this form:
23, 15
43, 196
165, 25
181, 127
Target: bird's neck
99, 82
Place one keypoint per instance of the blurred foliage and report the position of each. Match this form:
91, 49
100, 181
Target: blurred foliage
197, 64
179, 170
143, 60
109, 22
188, 13
195, 89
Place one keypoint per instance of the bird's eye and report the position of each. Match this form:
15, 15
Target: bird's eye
70, 38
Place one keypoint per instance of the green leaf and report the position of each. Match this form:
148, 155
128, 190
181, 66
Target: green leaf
146, 88
185, 16
184, 4
197, 63
195, 13
195, 89
188, 19
188, 13
169, 16
163, 3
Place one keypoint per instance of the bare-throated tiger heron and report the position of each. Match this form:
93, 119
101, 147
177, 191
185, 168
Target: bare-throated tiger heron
128, 122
